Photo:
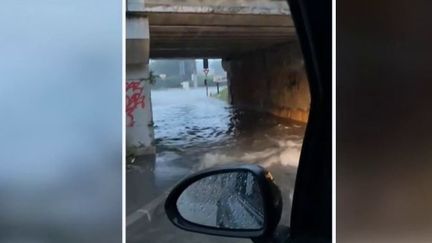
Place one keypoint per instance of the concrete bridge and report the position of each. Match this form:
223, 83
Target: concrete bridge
255, 38
197, 28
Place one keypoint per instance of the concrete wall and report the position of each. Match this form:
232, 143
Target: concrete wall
139, 118
272, 80
217, 6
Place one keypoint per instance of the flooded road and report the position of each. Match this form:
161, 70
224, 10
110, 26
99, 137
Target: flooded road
194, 132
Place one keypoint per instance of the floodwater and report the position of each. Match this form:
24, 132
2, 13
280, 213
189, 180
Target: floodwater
194, 132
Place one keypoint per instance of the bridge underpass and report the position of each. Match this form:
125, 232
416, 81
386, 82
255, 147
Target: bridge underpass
257, 43
255, 38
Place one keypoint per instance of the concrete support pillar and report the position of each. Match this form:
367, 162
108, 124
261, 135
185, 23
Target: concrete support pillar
272, 80
139, 118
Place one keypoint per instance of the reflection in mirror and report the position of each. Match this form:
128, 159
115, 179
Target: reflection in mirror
229, 200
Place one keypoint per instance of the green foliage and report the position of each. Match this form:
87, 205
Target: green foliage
201, 78
169, 82
223, 95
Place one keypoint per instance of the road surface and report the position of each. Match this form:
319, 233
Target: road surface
194, 132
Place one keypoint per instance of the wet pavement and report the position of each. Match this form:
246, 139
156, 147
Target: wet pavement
195, 132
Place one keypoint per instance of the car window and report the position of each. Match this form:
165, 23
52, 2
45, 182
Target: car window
209, 83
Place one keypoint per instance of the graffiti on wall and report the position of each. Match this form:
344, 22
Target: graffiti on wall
135, 99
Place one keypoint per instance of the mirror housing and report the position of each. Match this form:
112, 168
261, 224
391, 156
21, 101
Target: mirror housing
270, 193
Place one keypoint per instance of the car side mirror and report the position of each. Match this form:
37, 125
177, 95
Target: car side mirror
240, 201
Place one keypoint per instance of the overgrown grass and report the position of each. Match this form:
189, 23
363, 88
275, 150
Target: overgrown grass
223, 94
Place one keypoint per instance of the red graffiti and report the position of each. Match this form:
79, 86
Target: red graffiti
134, 100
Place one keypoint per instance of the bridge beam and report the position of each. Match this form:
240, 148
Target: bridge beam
207, 28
